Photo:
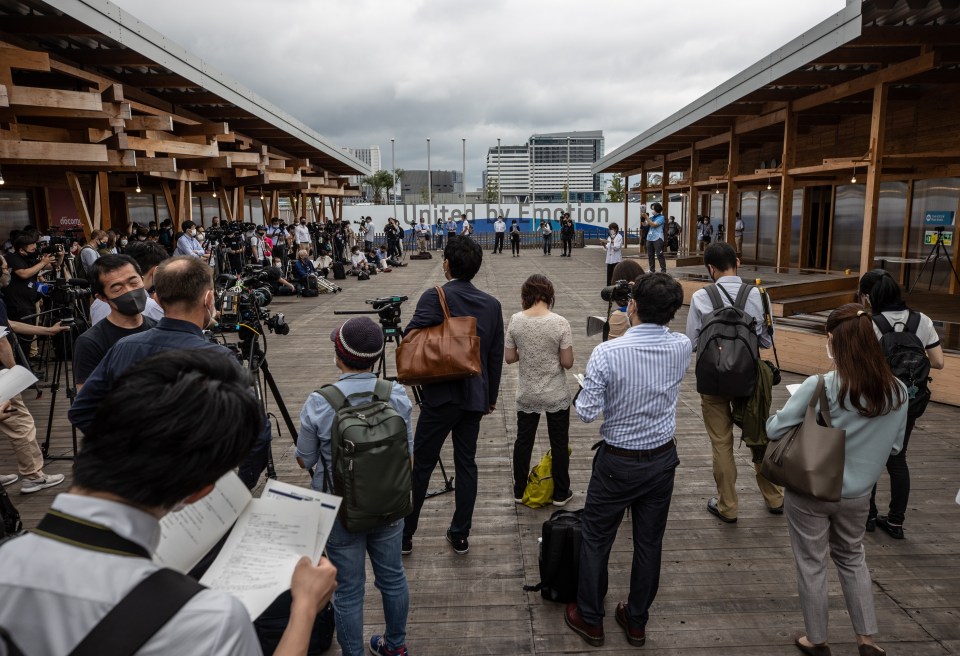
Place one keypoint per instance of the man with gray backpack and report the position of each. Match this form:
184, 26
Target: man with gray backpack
359, 431
725, 324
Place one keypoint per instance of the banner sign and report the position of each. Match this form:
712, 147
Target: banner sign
938, 218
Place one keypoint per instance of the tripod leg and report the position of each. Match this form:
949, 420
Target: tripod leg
272, 384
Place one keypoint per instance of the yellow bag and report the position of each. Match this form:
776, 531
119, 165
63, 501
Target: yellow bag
539, 490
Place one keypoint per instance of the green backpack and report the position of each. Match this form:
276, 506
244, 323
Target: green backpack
371, 459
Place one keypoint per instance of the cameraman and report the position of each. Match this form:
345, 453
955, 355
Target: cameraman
25, 265
627, 270
188, 244
116, 282
546, 232
567, 231
394, 234
233, 242
257, 247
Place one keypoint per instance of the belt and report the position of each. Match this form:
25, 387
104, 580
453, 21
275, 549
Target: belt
639, 453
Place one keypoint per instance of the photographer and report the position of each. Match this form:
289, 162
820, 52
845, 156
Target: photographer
546, 233
188, 244
257, 247
358, 262
90, 251
125, 482
625, 272
233, 243
116, 282
673, 235
655, 239
394, 234
25, 265
567, 232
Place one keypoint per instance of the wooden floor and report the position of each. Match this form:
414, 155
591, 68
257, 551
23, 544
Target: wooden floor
725, 589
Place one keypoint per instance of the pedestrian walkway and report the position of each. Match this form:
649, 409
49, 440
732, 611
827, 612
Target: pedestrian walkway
725, 589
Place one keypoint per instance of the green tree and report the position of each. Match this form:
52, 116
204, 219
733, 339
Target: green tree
398, 181
493, 190
565, 195
615, 191
378, 182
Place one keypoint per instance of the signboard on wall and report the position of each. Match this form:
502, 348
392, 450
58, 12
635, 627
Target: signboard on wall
930, 237
938, 218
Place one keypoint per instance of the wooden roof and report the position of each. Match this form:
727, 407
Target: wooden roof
826, 73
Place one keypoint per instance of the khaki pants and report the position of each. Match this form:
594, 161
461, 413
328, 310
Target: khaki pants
421, 244
718, 420
22, 433
738, 240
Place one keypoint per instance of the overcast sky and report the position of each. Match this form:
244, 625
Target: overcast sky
362, 71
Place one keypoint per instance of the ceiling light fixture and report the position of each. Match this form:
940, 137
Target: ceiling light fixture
2, 181
853, 179
214, 185
137, 176
261, 193
769, 186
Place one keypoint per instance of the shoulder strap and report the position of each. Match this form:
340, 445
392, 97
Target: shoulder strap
882, 323
714, 296
443, 302
333, 396
383, 390
742, 296
913, 322
5, 639
140, 614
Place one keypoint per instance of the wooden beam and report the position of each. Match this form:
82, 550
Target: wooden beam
143, 123
239, 200
892, 73
693, 197
759, 122
202, 130
173, 208
157, 81
872, 200
733, 195
19, 59
785, 224
40, 97
50, 151
103, 190
173, 147
80, 203
712, 142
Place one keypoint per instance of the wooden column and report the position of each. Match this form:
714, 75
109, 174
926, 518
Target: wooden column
733, 195
626, 202
693, 202
239, 201
664, 195
875, 164
103, 200
785, 225
80, 203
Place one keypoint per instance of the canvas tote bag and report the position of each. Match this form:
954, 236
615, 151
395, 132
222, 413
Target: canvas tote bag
810, 459
436, 354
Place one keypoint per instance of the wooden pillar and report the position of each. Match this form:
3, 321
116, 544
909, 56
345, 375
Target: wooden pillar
274, 203
626, 203
733, 195
80, 203
265, 207
785, 225
875, 164
173, 208
664, 194
239, 200
690, 226
103, 200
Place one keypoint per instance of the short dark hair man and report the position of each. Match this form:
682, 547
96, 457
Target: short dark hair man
116, 281
184, 287
456, 407
171, 405
188, 244
722, 263
634, 381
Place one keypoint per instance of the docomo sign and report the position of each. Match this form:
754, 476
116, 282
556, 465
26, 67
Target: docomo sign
481, 214
66, 222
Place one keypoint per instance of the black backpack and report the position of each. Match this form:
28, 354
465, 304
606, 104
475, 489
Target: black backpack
10, 524
371, 459
728, 347
559, 557
908, 359
338, 271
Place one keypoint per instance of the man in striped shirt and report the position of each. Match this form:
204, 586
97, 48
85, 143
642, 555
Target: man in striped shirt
634, 381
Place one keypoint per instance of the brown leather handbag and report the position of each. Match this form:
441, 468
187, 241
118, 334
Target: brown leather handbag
436, 354
810, 459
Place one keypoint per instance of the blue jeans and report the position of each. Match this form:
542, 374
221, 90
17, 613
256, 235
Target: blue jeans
347, 552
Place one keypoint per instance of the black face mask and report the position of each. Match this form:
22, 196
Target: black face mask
132, 303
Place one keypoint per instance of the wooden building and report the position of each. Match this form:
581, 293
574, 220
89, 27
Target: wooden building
840, 150
104, 121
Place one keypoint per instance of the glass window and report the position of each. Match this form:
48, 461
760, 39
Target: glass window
254, 211
931, 195
847, 231
768, 227
891, 214
795, 225
140, 208
15, 210
211, 208
749, 206
718, 206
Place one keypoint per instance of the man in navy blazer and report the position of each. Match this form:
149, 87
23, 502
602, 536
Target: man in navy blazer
456, 407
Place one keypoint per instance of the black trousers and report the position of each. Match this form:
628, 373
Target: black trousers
567, 243
654, 253
498, 242
515, 245
433, 426
899, 482
610, 267
558, 431
645, 485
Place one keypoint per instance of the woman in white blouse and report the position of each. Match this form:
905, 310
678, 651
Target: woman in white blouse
613, 244
542, 342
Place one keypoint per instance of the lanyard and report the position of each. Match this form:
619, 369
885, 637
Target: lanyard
81, 533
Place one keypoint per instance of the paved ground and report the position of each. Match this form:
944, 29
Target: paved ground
725, 589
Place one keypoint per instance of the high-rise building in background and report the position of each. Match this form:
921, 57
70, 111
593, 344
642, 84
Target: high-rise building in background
413, 185
371, 157
546, 165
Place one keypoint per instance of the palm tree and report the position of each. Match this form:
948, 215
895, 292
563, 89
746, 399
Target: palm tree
378, 182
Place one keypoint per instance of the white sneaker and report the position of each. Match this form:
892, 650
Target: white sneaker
8, 479
31, 485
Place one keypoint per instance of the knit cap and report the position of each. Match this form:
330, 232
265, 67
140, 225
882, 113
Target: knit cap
359, 342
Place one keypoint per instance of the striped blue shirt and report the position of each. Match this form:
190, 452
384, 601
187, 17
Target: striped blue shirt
634, 381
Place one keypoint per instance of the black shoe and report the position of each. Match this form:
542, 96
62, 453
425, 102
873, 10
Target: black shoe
459, 543
775, 511
893, 530
713, 510
871, 524
406, 546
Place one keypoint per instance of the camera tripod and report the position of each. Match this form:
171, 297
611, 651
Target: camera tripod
937, 251
393, 335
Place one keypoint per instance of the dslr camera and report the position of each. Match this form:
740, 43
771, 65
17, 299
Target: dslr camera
617, 293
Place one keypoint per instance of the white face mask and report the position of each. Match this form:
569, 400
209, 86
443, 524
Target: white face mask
199, 237
192, 232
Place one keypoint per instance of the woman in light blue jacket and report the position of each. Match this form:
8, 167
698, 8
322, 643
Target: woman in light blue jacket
869, 403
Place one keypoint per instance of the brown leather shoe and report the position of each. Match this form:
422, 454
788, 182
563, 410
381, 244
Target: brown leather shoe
636, 636
870, 650
593, 634
811, 650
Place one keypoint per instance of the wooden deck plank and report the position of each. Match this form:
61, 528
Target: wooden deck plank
726, 590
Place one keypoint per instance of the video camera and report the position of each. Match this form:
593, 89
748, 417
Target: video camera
243, 302
388, 309
618, 292
316, 230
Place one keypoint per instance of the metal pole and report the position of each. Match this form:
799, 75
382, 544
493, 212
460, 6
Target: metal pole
499, 185
393, 172
463, 187
429, 188
568, 174
533, 186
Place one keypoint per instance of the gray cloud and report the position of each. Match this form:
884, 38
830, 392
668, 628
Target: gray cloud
365, 71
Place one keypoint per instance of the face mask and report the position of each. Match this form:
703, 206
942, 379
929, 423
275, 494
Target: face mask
123, 242
192, 232
132, 303
200, 237
212, 311
4, 279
